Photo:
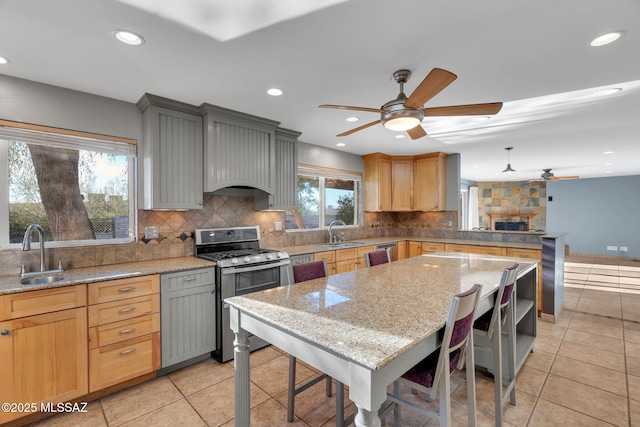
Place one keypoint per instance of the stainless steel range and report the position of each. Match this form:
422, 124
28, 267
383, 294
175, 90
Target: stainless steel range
241, 267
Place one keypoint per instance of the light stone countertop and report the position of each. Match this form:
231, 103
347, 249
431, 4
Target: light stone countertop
11, 284
373, 315
320, 247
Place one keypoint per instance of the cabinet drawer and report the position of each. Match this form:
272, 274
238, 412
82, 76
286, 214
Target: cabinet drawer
473, 249
111, 333
365, 250
188, 279
344, 254
115, 311
114, 290
120, 362
328, 256
14, 306
432, 247
525, 253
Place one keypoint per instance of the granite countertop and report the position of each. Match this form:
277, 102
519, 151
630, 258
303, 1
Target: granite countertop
11, 284
320, 247
371, 316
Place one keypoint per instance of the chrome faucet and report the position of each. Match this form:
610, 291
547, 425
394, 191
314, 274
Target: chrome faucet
337, 221
26, 246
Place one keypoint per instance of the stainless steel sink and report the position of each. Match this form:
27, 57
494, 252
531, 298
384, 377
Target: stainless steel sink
343, 244
42, 280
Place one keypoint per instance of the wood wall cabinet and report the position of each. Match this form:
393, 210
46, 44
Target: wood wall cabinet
124, 330
429, 183
43, 347
401, 184
377, 182
404, 183
170, 154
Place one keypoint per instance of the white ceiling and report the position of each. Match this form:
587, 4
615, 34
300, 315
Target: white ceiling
532, 55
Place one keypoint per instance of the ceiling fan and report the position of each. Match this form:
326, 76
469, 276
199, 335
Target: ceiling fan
547, 175
405, 114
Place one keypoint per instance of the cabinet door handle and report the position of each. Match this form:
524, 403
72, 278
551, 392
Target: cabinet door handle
131, 350
126, 310
5, 332
127, 331
189, 279
129, 289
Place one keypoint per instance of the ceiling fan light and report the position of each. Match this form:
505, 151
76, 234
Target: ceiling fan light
605, 39
508, 169
401, 123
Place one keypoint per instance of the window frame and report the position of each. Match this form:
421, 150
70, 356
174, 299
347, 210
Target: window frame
12, 130
323, 173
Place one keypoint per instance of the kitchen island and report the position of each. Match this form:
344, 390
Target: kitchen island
365, 328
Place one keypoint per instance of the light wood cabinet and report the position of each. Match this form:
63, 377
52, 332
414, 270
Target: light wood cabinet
170, 154
43, 348
418, 248
476, 249
343, 260
402, 249
404, 183
429, 182
124, 330
329, 257
377, 182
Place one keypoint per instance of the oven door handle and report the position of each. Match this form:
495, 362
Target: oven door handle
234, 270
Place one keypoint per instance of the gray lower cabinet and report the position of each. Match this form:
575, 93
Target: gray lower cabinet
187, 315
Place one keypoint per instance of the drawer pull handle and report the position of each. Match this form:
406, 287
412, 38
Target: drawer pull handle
127, 331
189, 279
5, 332
131, 350
129, 289
126, 310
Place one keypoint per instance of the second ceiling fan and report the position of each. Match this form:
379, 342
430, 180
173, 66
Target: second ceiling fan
406, 114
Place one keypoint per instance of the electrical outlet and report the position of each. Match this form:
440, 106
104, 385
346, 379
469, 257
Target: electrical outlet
612, 248
623, 249
151, 232
278, 226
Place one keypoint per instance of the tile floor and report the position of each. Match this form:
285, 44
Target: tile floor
585, 371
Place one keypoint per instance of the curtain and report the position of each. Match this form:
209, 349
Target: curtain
473, 214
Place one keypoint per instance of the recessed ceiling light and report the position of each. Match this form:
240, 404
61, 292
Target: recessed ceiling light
4, 60
128, 37
481, 118
608, 152
341, 144
605, 92
606, 38
274, 92
608, 164
400, 136
353, 119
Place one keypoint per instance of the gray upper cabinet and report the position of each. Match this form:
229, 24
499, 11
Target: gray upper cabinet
285, 192
239, 150
170, 156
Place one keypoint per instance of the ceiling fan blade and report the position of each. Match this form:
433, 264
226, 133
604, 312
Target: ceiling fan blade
464, 110
347, 107
417, 132
349, 132
559, 178
435, 81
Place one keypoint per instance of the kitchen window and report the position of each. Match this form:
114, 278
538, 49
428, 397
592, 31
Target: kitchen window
79, 187
325, 195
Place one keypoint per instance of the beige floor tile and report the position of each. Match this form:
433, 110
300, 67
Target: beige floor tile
552, 330
589, 374
634, 387
601, 278
273, 376
631, 312
630, 281
633, 365
540, 360
631, 326
571, 303
314, 407
634, 409
600, 308
597, 325
548, 414
601, 294
547, 344
577, 276
201, 375
593, 340
631, 335
606, 406
131, 403
530, 380
93, 417
178, 413
215, 404
595, 356
271, 413
592, 318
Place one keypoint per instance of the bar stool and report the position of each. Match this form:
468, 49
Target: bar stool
302, 273
435, 371
378, 257
489, 328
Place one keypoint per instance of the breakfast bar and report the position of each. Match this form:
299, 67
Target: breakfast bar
365, 328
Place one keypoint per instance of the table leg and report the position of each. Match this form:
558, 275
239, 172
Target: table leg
241, 362
366, 418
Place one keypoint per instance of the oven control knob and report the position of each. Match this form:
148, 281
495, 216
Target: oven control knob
234, 260
269, 256
247, 259
278, 254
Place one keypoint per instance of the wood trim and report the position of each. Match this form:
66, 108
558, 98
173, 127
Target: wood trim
333, 170
40, 128
23, 304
